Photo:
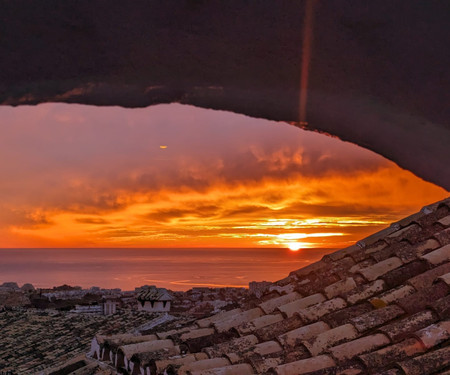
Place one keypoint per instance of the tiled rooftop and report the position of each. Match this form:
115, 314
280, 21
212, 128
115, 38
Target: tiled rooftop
381, 306
33, 340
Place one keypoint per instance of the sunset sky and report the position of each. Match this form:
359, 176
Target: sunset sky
179, 176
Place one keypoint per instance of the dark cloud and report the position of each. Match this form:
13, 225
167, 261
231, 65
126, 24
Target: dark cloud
80, 158
23, 217
92, 220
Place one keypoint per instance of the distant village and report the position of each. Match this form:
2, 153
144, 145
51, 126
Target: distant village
42, 327
196, 302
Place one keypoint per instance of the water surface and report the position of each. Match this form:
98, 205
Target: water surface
176, 269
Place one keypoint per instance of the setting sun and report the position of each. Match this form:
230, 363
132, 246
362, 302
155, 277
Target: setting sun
294, 246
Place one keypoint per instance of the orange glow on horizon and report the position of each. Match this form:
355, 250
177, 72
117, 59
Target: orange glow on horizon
77, 176
175, 218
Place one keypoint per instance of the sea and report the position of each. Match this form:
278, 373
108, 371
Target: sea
172, 268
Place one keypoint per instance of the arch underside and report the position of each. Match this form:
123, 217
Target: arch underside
378, 71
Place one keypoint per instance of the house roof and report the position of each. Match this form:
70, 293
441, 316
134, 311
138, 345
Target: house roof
154, 294
381, 306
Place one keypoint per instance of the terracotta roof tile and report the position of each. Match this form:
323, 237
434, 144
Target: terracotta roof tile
392, 371
293, 307
410, 253
204, 364
240, 369
445, 278
296, 336
315, 312
380, 306
206, 322
431, 218
389, 251
235, 320
329, 338
287, 280
443, 237
286, 289
372, 273
262, 365
382, 234
442, 307
418, 301
393, 353
394, 294
268, 295
305, 365
363, 292
427, 363
401, 329
426, 279
296, 354
260, 322
340, 287
405, 232
376, 247
267, 347
411, 218
234, 357
359, 346
376, 318
160, 366
172, 332
195, 333
313, 267
344, 316
347, 368
438, 256
340, 254
400, 275
362, 264
445, 221
236, 345
317, 283
270, 305
198, 343
434, 334
419, 235
270, 332
341, 267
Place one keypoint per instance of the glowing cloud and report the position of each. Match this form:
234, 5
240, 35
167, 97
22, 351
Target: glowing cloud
78, 176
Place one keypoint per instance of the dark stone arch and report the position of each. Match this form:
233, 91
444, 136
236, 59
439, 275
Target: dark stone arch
379, 72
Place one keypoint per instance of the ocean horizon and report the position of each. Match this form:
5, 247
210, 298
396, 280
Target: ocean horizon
172, 268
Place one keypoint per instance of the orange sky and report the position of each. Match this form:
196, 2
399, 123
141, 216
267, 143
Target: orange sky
80, 176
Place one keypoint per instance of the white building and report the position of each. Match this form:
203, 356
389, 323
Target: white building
153, 299
110, 307
88, 309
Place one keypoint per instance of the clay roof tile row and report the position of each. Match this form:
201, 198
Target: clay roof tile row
380, 306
